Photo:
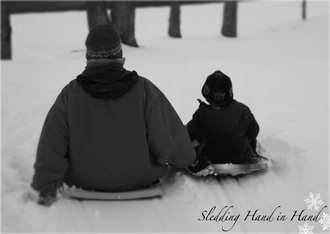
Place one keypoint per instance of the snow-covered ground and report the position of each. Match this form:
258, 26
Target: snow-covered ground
279, 68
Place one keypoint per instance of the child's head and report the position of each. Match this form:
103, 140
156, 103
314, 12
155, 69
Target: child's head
218, 89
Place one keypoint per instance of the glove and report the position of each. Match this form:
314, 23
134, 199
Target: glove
201, 167
46, 199
47, 195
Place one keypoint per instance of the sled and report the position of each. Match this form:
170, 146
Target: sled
241, 169
149, 192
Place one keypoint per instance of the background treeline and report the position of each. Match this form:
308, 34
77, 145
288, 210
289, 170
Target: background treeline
121, 14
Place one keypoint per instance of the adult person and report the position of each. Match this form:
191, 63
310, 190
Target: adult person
109, 129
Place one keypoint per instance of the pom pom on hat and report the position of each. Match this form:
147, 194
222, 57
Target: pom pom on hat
103, 42
218, 89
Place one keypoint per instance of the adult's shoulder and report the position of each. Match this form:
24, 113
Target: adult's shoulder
148, 83
151, 90
72, 86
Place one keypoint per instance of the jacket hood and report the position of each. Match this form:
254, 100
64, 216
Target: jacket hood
107, 78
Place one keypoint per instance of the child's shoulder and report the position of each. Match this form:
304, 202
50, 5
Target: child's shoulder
202, 110
244, 107
241, 104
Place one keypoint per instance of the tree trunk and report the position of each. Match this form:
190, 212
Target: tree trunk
5, 31
229, 25
97, 14
174, 26
304, 9
123, 19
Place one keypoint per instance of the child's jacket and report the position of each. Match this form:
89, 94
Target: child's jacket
115, 142
227, 132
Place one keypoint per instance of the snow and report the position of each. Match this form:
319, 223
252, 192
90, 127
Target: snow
279, 68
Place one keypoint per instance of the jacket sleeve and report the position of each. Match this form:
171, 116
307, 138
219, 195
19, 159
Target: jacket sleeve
253, 128
194, 130
194, 127
167, 137
51, 162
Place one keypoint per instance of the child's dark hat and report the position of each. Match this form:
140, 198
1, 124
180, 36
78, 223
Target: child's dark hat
103, 42
218, 89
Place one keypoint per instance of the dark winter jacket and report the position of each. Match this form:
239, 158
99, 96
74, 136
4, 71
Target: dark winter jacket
229, 132
110, 129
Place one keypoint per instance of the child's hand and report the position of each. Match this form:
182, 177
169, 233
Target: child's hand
201, 167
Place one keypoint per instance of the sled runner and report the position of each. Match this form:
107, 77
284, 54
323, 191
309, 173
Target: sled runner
239, 169
149, 192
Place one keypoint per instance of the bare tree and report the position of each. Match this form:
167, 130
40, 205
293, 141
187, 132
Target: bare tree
123, 19
304, 9
97, 13
174, 26
5, 31
229, 25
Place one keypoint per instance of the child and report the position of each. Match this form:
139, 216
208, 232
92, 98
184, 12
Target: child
110, 129
226, 128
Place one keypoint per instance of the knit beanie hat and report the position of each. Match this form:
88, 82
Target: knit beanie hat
103, 42
218, 89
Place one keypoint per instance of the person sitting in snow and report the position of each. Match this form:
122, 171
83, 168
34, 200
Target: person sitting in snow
109, 129
225, 131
